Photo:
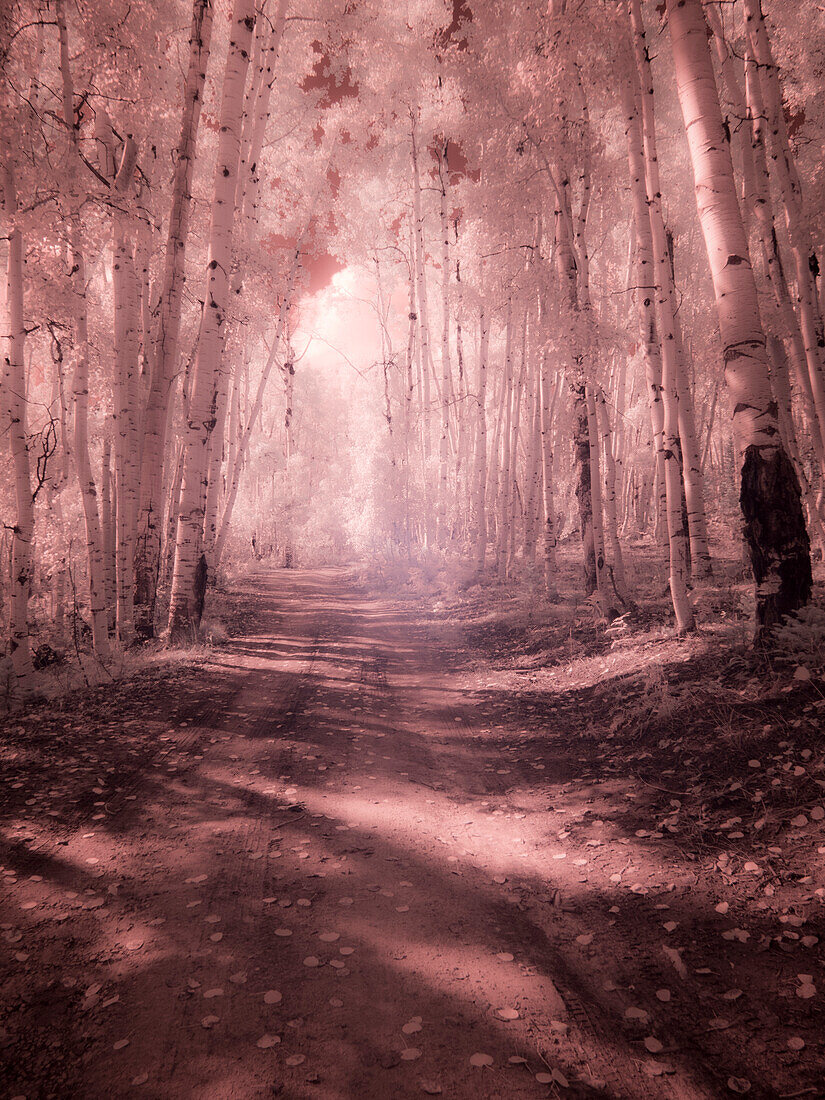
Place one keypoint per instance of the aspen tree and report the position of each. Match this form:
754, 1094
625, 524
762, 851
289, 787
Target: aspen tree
421, 295
107, 514
185, 607
597, 510
676, 386
481, 445
14, 426
770, 494
549, 541
515, 495
242, 449
505, 430
609, 497
790, 190
80, 381
654, 302
759, 193
166, 335
444, 443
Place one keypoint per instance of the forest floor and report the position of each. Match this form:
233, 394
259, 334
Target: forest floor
375, 846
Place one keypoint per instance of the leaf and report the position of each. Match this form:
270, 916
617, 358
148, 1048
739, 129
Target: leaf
209, 1021
120, 1044
312, 960
431, 1088
296, 1059
663, 994
412, 1027
739, 1085
585, 940
272, 997
653, 1045
636, 1014
795, 1043
507, 1013
410, 1054
722, 907
267, 1041
479, 1059
505, 956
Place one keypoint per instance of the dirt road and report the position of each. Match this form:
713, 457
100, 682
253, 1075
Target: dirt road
323, 865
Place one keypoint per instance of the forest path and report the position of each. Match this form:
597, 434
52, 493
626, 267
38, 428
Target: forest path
324, 869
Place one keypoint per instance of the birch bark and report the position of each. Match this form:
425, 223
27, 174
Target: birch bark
13, 394
770, 497
166, 336
186, 600
80, 380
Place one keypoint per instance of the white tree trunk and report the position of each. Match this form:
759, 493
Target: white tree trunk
166, 337
446, 380
790, 189
609, 497
254, 413
127, 449
186, 600
14, 427
421, 294
481, 446
505, 432
549, 545
672, 362
771, 505
80, 381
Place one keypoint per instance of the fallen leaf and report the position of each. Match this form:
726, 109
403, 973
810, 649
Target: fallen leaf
267, 1041
739, 1085
479, 1059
